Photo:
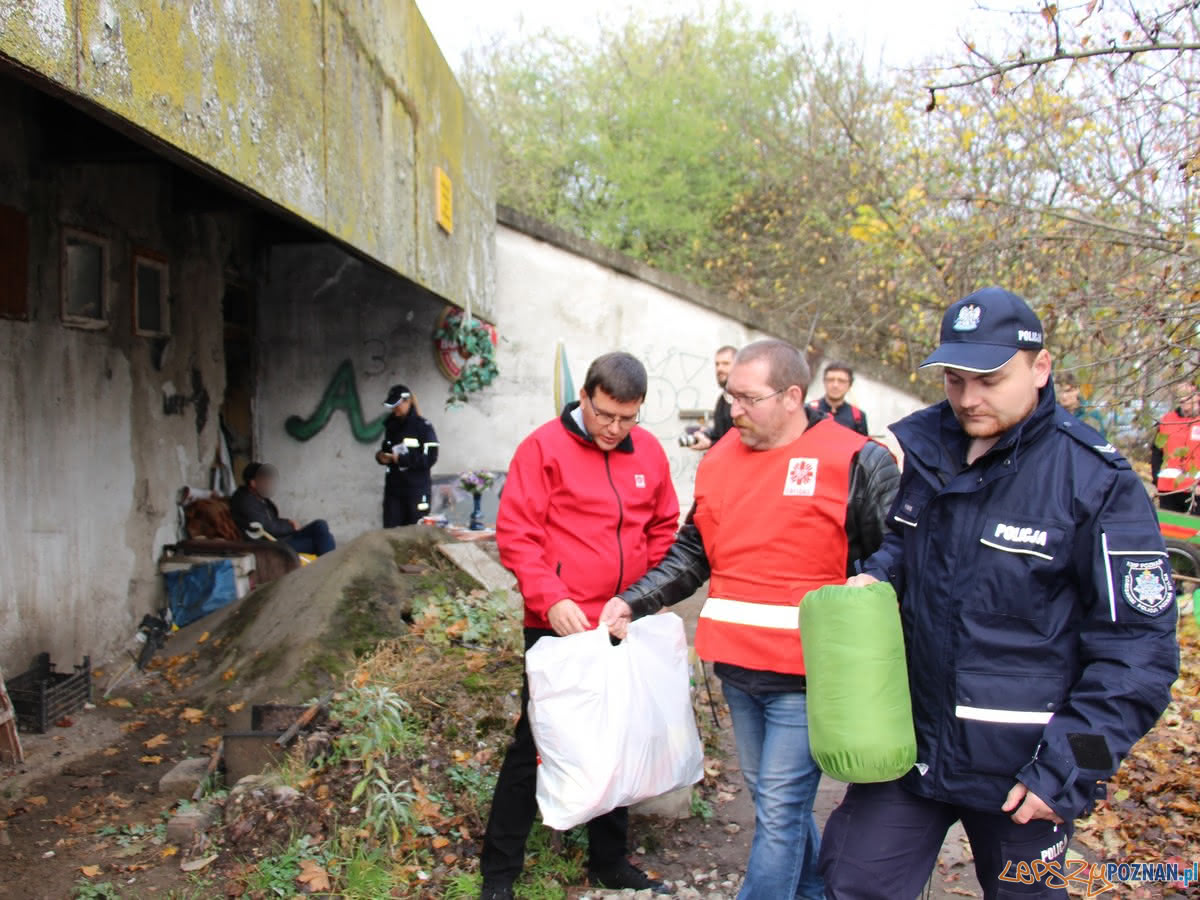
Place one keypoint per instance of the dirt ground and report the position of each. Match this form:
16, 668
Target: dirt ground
85, 807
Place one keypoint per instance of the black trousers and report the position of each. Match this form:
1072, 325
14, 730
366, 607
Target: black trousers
405, 501
883, 841
1180, 501
514, 805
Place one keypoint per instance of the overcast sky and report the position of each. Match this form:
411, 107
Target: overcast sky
896, 32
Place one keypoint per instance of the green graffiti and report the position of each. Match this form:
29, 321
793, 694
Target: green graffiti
342, 393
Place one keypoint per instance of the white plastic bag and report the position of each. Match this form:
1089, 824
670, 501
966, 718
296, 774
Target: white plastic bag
613, 725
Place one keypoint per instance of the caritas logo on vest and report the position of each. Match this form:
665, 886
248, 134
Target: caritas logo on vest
801, 477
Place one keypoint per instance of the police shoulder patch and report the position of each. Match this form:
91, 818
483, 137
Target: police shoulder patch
1146, 585
1092, 439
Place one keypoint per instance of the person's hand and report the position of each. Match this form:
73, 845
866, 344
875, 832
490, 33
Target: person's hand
295, 525
399, 450
1024, 806
567, 618
617, 615
861, 580
703, 441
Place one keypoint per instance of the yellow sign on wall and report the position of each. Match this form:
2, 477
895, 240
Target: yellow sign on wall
445, 201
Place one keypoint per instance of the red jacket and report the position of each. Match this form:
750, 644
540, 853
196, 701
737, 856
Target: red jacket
580, 523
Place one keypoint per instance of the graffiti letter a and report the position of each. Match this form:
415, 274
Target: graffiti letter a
342, 393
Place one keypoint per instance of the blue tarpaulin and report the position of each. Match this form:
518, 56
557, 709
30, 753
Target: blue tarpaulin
200, 590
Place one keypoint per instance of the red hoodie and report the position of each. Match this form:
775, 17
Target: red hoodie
579, 523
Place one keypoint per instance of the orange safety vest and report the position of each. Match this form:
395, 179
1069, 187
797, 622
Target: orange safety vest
774, 528
1181, 453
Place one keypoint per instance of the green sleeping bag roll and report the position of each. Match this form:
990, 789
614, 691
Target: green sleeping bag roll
860, 726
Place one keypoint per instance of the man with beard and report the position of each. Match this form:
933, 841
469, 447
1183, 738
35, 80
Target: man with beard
790, 506
721, 419
1038, 614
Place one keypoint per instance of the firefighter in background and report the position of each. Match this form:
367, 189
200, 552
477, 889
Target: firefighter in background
410, 451
1175, 456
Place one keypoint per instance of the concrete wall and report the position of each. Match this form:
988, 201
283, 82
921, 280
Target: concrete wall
322, 310
89, 460
337, 111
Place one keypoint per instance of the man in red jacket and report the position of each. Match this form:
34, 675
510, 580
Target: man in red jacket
587, 509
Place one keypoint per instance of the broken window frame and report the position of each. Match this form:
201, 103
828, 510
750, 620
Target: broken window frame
158, 262
72, 319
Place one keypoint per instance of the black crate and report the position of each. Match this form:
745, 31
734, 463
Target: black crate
41, 696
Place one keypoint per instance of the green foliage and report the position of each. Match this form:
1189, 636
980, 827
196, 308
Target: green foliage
701, 808
823, 196
474, 341
95, 890
275, 876
367, 875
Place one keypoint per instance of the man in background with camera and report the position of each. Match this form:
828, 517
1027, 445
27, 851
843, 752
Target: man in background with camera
722, 418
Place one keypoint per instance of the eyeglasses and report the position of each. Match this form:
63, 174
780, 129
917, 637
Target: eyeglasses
747, 402
606, 418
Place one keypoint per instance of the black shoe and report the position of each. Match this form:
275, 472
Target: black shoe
625, 876
496, 890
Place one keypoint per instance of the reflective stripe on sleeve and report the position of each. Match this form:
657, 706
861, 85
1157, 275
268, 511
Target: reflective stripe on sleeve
1112, 597
1003, 716
760, 615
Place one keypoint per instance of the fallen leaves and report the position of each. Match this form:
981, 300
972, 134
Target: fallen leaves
169, 851
195, 865
120, 703
192, 715
236, 707
90, 871
157, 741
202, 638
39, 800
229, 675
1151, 811
150, 760
313, 876
135, 725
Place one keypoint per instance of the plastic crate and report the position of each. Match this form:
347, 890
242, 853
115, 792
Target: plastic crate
41, 696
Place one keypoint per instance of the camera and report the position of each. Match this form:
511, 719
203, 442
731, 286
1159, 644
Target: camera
691, 437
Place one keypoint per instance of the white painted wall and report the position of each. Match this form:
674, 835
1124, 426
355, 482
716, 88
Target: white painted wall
321, 307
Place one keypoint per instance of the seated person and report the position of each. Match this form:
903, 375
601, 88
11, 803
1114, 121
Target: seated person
251, 503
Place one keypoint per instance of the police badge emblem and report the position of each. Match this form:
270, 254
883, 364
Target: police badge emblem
968, 318
1147, 586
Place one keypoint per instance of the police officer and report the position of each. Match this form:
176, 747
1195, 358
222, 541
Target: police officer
1038, 615
409, 450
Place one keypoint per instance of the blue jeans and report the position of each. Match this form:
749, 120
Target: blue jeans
314, 538
772, 743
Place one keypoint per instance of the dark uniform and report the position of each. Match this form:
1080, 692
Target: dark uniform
1039, 621
408, 487
847, 414
722, 420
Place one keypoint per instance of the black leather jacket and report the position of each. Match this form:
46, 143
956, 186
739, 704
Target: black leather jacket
874, 477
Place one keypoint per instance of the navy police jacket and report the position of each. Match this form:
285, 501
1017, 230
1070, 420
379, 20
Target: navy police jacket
1037, 605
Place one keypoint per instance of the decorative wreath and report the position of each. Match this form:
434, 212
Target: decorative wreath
466, 354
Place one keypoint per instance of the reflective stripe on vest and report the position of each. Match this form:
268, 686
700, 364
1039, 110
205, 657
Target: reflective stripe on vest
773, 525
